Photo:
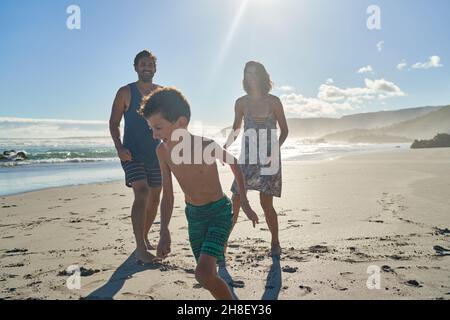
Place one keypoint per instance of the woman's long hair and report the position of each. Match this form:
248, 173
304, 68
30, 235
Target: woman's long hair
265, 84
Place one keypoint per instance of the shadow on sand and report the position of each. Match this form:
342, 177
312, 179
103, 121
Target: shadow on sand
129, 267
223, 273
124, 272
273, 281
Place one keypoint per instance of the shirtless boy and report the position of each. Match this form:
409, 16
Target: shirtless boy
208, 210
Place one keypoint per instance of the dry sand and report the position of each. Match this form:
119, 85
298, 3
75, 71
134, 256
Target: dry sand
337, 218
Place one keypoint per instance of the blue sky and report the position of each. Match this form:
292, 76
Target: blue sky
313, 50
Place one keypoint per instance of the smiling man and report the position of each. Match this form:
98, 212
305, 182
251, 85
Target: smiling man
137, 152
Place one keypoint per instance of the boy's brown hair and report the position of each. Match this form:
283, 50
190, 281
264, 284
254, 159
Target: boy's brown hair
169, 102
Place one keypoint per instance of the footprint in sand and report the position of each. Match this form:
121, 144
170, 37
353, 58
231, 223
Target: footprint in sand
305, 289
441, 231
441, 251
397, 257
387, 268
292, 226
14, 265
67, 199
413, 283
318, 249
17, 250
190, 271
83, 272
335, 286
35, 283
289, 269
236, 284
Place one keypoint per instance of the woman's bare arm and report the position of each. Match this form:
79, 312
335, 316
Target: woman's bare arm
281, 119
238, 115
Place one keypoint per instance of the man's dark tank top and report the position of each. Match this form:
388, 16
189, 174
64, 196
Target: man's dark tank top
138, 137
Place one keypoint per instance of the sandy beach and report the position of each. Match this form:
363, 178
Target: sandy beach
387, 211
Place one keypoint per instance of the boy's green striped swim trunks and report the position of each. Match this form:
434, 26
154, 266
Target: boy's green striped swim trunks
209, 227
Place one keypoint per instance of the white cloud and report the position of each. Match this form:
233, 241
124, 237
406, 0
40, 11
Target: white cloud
434, 62
384, 88
367, 69
332, 100
402, 65
380, 46
311, 107
329, 81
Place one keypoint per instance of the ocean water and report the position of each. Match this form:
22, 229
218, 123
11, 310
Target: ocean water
56, 162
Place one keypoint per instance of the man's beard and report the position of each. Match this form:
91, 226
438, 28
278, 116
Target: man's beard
147, 78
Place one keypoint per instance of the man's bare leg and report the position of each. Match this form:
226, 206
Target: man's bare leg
206, 275
152, 209
138, 212
272, 221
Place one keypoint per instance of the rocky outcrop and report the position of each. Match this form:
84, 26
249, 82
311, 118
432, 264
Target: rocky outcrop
441, 140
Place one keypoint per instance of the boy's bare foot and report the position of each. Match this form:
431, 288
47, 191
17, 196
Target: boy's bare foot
275, 251
143, 257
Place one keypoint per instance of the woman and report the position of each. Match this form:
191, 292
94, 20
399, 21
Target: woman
260, 111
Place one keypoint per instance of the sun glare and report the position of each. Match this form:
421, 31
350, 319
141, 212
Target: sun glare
229, 38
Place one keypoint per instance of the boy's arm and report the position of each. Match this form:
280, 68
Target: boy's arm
166, 205
225, 156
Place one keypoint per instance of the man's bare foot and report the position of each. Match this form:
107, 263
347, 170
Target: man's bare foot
275, 251
143, 257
